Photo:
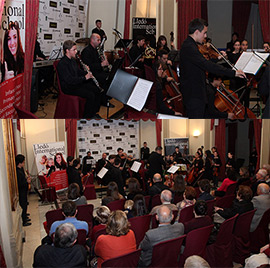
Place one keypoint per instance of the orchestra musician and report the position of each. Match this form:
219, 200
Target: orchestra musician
266, 47
230, 44
162, 56
137, 51
99, 31
75, 81
216, 167
162, 44
193, 67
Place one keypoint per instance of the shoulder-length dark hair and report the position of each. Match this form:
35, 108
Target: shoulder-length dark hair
16, 65
139, 207
73, 191
63, 164
161, 38
112, 190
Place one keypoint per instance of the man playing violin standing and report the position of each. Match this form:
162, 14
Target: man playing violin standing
192, 70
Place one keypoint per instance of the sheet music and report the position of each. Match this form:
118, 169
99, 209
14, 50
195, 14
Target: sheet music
140, 93
172, 169
102, 172
136, 166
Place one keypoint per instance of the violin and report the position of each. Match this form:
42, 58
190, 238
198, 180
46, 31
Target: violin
174, 98
207, 51
227, 101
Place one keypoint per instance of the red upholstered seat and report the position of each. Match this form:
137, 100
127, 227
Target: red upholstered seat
48, 193
98, 233
225, 202
130, 260
166, 253
260, 237
90, 192
219, 254
241, 242
186, 214
147, 201
116, 205
196, 241
155, 201
23, 114
68, 106
210, 207
140, 225
52, 216
231, 189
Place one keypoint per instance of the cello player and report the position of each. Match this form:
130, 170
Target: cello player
192, 68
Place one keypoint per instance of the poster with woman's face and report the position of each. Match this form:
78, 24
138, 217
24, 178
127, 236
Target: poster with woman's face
12, 48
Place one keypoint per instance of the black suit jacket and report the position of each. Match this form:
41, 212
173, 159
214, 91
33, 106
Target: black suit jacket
192, 71
156, 162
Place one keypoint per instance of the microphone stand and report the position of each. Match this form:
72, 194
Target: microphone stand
123, 44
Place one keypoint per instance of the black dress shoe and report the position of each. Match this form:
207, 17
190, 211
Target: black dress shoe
26, 224
27, 214
28, 219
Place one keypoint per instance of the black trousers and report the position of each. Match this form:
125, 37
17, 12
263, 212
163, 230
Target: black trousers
23, 204
195, 108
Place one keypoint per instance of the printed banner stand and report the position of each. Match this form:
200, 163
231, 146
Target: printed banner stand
58, 179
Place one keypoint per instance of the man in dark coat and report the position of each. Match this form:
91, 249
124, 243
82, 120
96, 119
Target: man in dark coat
193, 67
156, 162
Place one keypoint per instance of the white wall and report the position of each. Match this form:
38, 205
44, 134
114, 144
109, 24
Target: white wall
148, 134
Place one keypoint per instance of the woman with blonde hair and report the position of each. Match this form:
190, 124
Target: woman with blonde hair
119, 239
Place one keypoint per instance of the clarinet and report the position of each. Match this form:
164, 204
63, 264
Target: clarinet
87, 69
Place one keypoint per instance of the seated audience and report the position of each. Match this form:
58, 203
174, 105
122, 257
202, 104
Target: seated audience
64, 252
230, 179
165, 198
201, 219
261, 203
260, 178
119, 239
74, 194
133, 188
189, 199
128, 206
101, 220
139, 207
259, 260
241, 204
157, 186
196, 262
244, 176
204, 187
163, 232
69, 209
178, 188
112, 194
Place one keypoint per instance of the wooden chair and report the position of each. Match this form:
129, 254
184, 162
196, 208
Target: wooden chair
166, 254
130, 260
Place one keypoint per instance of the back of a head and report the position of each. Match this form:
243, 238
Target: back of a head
133, 185
157, 177
117, 161
263, 188
166, 196
139, 206
205, 185
190, 193
196, 262
200, 208
262, 172
231, 174
65, 235
19, 159
117, 223
73, 191
179, 184
76, 162
196, 24
103, 213
164, 214
158, 149
69, 208
112, 190
245, 192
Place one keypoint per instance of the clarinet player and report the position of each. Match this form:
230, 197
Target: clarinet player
77, 82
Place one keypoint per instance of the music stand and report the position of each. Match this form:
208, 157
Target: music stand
56, 53
124, 43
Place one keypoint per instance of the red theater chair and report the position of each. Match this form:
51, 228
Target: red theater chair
116, 205
155, 201
68, 106
186, 214
226, 201
166, 254
231, 189
23, 114
130, 260
210, 207
90, 192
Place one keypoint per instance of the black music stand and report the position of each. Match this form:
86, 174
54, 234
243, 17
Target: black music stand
124, 43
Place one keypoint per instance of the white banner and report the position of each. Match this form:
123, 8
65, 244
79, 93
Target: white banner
45, 154
60, 21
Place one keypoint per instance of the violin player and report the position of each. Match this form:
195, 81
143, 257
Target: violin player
193, 67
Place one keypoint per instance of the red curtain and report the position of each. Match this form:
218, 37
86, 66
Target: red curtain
71, 129
232, 136
204, 10
187, 11
240, 16
2, 258
257, 134
264, 8
127, 19
31, 21
158, 131
220, 143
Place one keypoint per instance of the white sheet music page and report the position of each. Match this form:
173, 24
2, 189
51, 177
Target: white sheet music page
102, 172
243, 60
139, 94
255, 62
172, 169
136, 166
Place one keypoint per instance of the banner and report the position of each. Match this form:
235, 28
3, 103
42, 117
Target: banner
182, 143
12, 47
49, 156
60, 21
58, 179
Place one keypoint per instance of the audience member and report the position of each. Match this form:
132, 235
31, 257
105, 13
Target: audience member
70, 160
204, 187
133, 188
69, 210
139, 207
201, 219
64, 252
261, 260
157, 186
165, 231
195, 261
244, 176
119, 239
112, 194
241, 204
261, 203
189, 198
74, 194
260, 178
178, 188
165, 198
128, 206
